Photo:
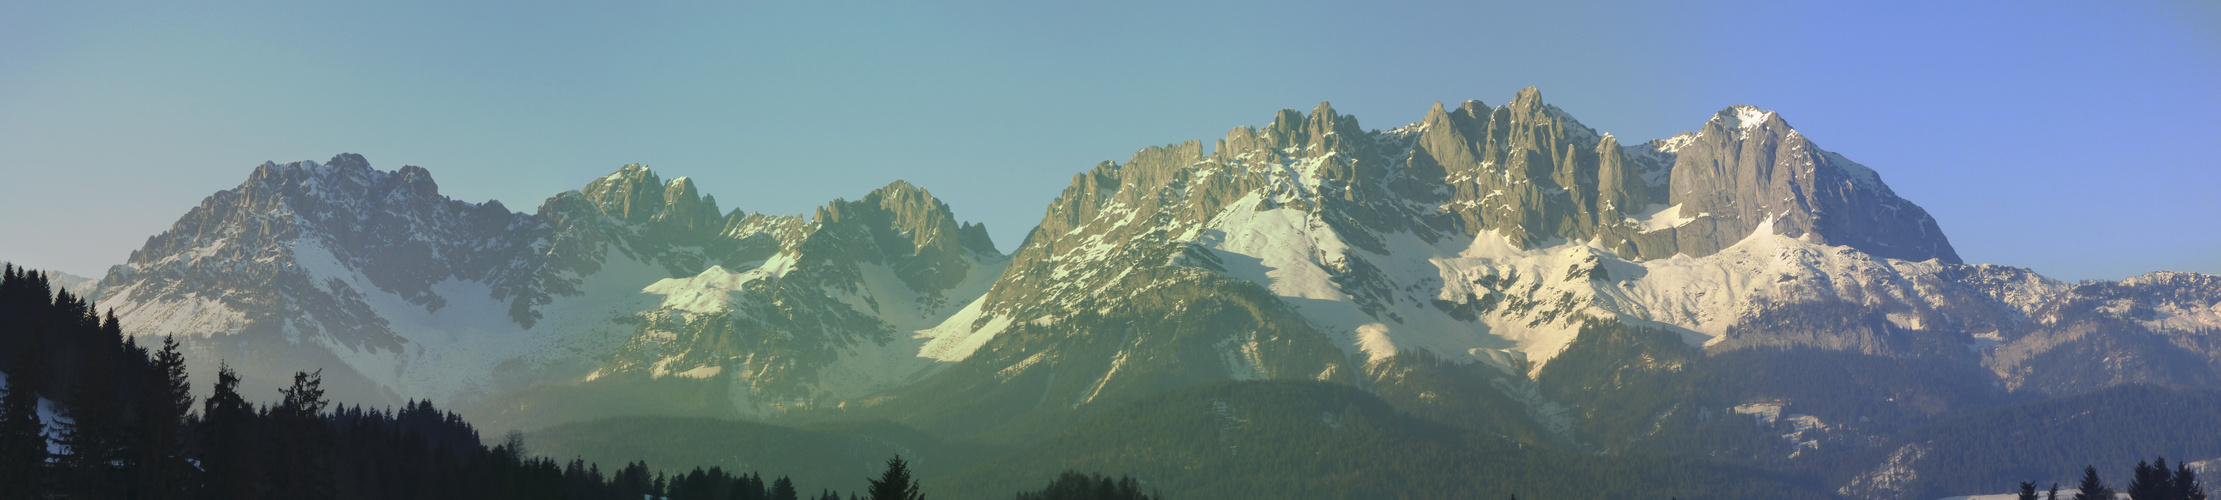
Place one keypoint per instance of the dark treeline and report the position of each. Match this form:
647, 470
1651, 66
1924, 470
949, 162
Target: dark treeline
1073, 485
122, 425
2150, 481
2110, 429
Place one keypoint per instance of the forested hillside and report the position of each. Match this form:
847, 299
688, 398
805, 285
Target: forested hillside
1261, 440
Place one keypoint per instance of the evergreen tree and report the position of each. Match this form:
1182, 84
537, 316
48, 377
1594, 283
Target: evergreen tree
165, 400
22, 435
302, 460
2187, 486
749, 487
895, 483
2054, 493
2092, 487
2152, 481
228, 441
1072, 485
782, 489
91, 428
2027, 490
305, 399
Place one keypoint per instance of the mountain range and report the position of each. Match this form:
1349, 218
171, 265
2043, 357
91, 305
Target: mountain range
1735, 293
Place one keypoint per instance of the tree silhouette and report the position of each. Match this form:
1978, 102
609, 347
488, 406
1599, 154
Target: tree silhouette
22, 435
783, 489
165, 399
2187, 486
2093, 488
895, 483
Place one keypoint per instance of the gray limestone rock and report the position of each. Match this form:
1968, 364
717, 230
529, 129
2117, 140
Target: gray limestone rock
1747, 167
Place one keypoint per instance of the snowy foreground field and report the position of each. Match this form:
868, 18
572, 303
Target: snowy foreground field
2010, 496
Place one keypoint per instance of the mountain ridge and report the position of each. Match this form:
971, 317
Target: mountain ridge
1444, 265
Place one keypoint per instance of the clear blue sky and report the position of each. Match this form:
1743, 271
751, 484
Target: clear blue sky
2078, 139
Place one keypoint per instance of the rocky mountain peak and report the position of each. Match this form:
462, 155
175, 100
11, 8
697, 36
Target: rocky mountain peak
1747, 166
1315, 134
1529, 99
636, 194
908, 211
905, 227
346, 176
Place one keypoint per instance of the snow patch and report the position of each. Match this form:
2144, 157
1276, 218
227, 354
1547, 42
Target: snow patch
711, 291
1746, 118
1658, 216
956, 338
701, 372
1020, 367
1908, 321
1373, 339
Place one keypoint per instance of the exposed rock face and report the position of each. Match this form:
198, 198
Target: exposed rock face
1747, 166
1534, 174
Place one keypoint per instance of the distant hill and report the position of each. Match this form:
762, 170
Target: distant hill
1244, 440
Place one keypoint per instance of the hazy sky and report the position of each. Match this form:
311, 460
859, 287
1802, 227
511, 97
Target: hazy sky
2077, 139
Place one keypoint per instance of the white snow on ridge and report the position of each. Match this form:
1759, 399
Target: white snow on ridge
1749, 117
1298, 258
1673, 145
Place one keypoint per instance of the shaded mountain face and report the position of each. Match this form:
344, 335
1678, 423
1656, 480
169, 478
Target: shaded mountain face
399, 292
1444, 265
